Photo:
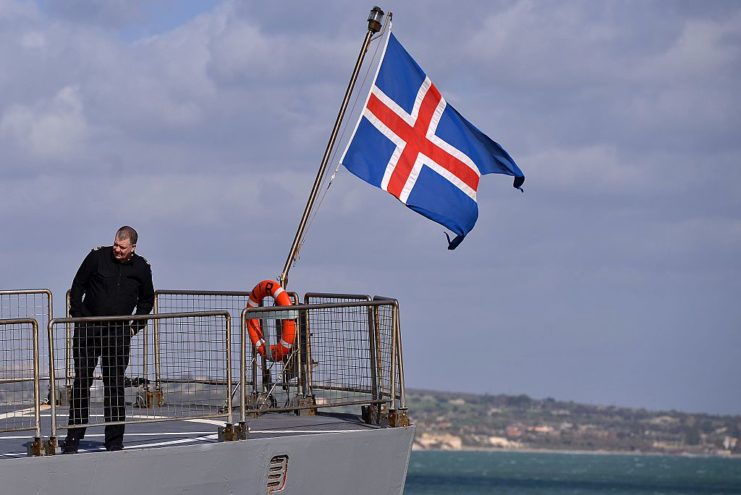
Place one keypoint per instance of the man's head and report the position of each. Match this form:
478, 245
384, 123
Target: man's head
124, 243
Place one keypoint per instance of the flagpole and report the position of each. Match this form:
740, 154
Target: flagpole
374, 25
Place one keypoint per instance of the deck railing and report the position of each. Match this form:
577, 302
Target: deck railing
185, 362
347, 354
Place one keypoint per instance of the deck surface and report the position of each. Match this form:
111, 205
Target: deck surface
176, 432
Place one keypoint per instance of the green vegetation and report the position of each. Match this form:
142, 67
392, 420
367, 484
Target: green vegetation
452, 421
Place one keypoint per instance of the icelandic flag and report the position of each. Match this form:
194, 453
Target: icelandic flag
412, 144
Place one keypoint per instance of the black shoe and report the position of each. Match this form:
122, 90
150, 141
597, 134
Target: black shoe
70, 446
113, 448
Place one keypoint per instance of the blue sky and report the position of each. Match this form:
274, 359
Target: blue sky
614, 279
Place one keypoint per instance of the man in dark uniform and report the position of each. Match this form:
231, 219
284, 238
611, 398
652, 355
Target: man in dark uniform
111, 281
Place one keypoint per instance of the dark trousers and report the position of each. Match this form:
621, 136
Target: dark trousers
110, 342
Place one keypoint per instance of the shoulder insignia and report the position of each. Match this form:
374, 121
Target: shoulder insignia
98, 248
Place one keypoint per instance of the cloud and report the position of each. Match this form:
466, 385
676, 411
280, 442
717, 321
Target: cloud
702, 47
110, 13
203, 126
14, 11
597, 168
55, 128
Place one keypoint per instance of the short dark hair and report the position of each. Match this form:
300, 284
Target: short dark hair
127, 232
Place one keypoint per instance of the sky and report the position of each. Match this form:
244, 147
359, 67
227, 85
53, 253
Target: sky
614, 279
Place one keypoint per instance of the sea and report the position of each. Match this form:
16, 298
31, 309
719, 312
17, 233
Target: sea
528, 473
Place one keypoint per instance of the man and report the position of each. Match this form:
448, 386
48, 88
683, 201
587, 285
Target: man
111, 281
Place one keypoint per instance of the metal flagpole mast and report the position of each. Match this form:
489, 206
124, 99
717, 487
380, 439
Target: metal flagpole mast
374, 25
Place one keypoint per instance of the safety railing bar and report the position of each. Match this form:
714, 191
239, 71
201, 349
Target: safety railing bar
21, 428
329, 295
335, 388
174, 292
140, 420
315, 406
15, 292
17, 380
160, 316
194, 381
301, 307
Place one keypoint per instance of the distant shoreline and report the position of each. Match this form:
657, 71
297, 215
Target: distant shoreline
586, 452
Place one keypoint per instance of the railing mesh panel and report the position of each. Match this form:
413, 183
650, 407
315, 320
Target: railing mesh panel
340, 354
34, 304
346, 350
193, 365
192, 380
16, 376
179, 301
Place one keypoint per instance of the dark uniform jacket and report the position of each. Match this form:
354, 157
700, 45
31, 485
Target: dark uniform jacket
111, 288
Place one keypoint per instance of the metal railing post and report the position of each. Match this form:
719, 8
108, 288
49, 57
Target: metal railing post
394, 364
156, 351
68, 346
243, 369
52, 385
36, 378
400, 357
305, 327
374, 360
229, 416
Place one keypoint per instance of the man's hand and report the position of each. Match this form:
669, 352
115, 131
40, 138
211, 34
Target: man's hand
137, 325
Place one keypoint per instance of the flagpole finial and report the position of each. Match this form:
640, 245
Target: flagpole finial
374, 19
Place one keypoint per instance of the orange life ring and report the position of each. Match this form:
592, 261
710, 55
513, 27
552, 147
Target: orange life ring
282, 349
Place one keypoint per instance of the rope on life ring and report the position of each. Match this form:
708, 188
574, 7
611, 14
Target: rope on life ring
276, 352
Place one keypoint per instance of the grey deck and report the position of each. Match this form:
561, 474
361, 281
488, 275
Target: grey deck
185, 432
327, 454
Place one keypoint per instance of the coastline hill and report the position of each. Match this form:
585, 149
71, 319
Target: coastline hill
454, 421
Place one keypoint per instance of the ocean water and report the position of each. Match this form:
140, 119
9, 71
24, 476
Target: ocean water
525, 473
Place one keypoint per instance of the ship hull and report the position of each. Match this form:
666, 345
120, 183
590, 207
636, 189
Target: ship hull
369, 462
